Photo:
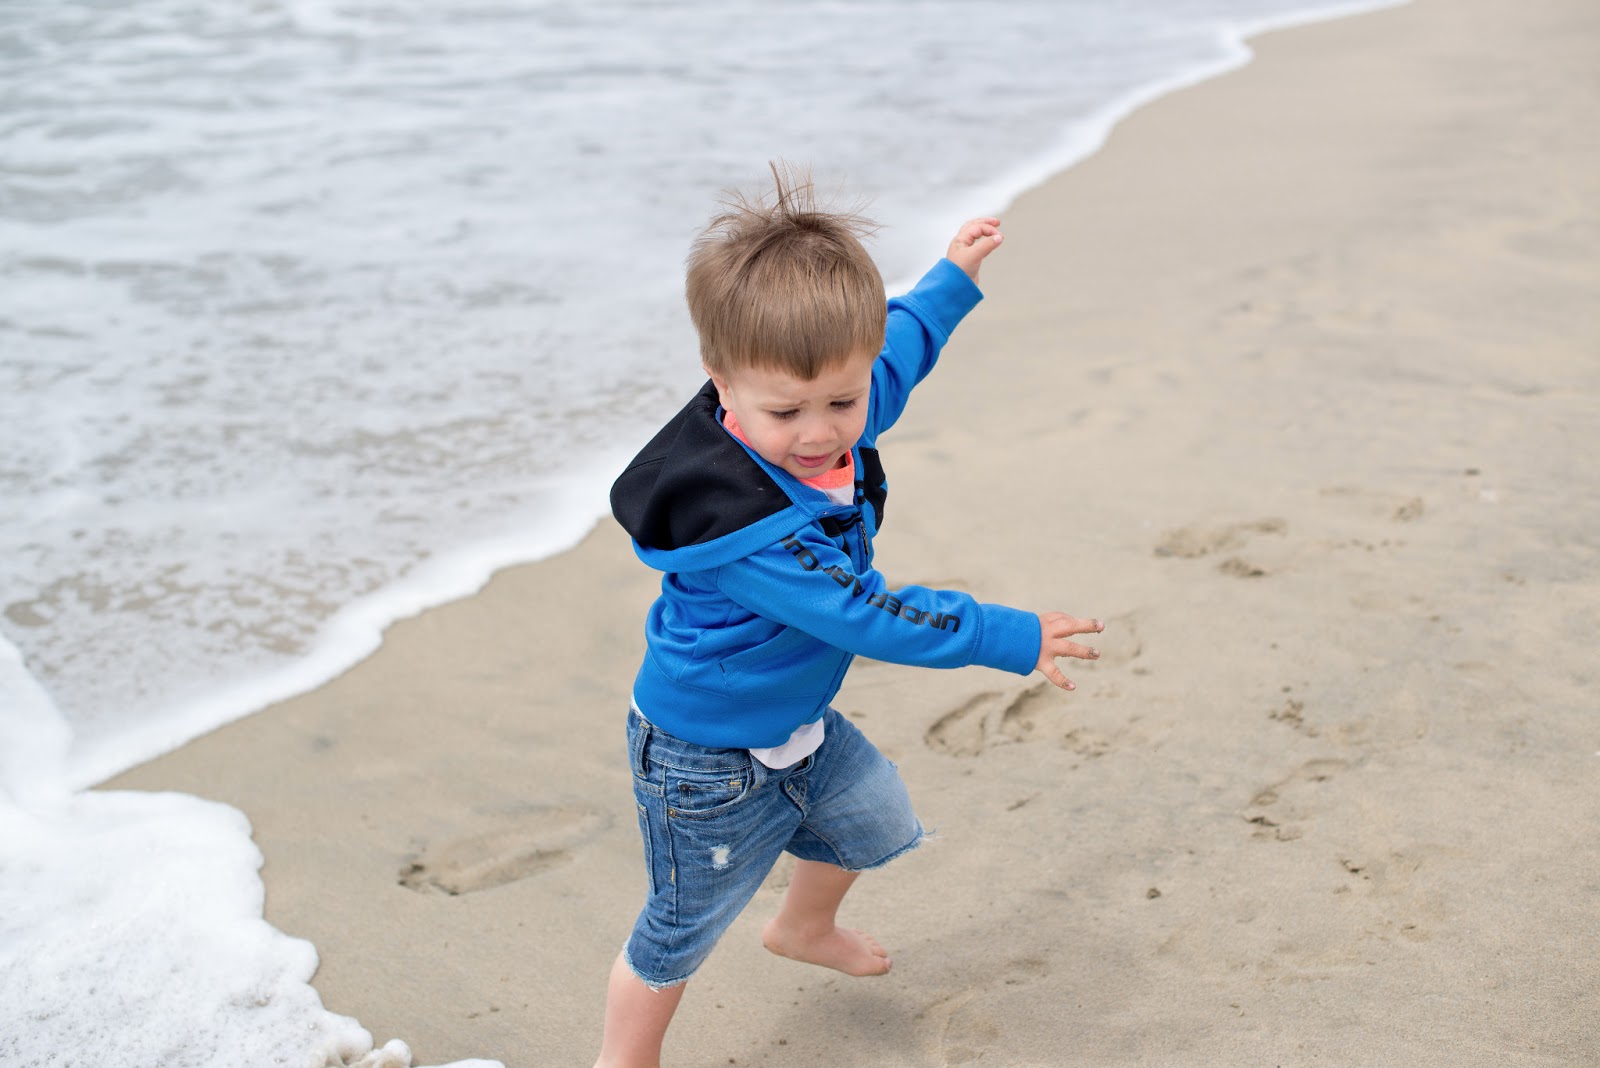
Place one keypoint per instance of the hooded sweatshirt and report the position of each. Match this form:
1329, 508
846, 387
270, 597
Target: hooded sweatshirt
768, 590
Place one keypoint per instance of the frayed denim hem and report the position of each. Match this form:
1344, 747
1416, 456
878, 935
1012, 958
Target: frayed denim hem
651, 983
922, 836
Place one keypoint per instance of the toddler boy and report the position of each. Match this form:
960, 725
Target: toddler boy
759, 502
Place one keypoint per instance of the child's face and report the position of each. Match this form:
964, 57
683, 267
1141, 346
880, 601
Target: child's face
803, 427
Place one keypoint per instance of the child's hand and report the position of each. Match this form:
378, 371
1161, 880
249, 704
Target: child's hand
1054, 627
975, 240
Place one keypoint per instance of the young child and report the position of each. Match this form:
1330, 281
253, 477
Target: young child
759, 502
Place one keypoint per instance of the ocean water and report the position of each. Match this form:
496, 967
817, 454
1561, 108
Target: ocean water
313, 314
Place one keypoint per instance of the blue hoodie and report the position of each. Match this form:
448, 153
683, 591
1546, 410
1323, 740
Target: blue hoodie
768, 590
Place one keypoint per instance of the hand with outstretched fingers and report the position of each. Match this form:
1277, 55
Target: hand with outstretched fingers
1055, 632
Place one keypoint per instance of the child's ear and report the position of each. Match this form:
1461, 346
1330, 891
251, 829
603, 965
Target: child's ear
718, 381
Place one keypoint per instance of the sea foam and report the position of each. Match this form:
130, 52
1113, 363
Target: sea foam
131, 928
131, 934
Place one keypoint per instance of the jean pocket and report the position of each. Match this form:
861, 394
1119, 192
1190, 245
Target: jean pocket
704, 794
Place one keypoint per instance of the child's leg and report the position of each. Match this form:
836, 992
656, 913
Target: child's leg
858, 816
713, 823
636, 1020
804, 929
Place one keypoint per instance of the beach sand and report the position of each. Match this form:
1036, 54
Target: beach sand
1297, 384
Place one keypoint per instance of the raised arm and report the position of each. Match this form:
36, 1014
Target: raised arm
920, 322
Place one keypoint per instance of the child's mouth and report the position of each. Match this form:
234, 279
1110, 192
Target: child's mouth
813, 461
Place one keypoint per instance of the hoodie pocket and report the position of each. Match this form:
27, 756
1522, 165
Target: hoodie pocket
793, 661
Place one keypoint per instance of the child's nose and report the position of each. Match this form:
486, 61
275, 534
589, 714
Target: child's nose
816, 431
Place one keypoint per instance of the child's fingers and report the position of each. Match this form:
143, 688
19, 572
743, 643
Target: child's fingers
1074, 650
1059, 624
1055, 629
977, 229
1048, 669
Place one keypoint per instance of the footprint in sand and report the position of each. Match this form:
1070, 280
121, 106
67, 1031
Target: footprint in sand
966, 1024
1379, 504
1394, 715
992, 718
961, 732
1282, 823
523, 843
1292, 713
1033, 713
1187, 543
1023, 719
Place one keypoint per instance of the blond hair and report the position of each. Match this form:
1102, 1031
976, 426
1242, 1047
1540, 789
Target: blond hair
783, 285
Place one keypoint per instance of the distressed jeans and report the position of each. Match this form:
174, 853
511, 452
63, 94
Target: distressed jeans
714, 822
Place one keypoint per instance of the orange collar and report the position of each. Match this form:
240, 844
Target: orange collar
837, 478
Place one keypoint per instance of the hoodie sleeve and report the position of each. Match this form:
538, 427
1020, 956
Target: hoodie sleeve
919, 325
805, 581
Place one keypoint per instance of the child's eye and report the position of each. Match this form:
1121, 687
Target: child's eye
844, 406
790, 414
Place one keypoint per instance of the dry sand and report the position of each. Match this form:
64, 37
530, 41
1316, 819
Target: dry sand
1298, 384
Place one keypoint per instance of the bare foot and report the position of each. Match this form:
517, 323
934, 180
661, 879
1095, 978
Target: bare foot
843, 949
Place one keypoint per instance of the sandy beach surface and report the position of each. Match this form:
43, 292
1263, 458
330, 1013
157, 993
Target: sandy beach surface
1297, 385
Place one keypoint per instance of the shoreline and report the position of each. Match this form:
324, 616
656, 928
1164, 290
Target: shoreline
1230, 434
353, 633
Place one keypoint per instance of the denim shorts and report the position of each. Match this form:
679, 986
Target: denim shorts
714, 821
